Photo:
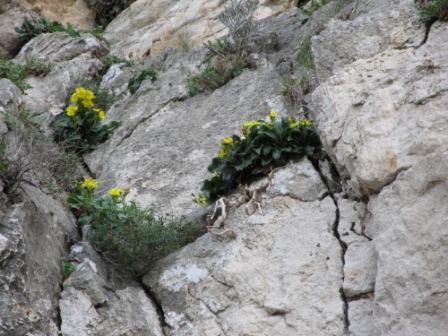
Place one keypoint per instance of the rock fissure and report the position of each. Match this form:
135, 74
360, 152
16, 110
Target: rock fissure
159, 308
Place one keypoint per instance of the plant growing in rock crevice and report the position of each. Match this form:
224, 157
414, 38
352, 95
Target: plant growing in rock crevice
136, 81
432, 10
126, 233
81, 129
33, 28
264, 144
17, 73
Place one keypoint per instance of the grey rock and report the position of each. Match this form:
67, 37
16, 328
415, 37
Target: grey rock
408, 226
5, 246
351, 221
381, 115
11, 99
360, 316
116, 79
383, 23
58, 47
258, 283
359, 268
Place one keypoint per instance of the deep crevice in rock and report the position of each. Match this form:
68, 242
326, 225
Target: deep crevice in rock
157, 304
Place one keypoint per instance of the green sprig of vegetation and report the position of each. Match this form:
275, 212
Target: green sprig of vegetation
126, 233
264, 144
433, 10
136, 81
67, 269
33, 28
17, 73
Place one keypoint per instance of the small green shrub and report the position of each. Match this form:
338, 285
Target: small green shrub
110, 60
3, 160
305, 56
264, 144
433, 10
136, 81
313, 5
218, 71
81, 129
105, 11
17, 73
67, 269
33, 28
126, 233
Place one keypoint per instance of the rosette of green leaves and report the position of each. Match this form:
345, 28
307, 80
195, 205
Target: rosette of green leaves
266, 145
83, 132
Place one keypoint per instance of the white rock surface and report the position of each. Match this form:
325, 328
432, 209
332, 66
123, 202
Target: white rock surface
360, 316
408, 224
149, 27
279, 277
359, 268
381, 115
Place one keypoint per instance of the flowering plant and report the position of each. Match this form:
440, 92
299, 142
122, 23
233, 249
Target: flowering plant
80, 128
263, 145
125, 232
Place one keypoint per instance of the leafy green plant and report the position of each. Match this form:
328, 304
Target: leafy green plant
313, 5
125, 232
81, 129
136, 81
67, 269
17, 73
218, 71
105, 11
264, 144
110, 60
433, 10
305, 56
33, 28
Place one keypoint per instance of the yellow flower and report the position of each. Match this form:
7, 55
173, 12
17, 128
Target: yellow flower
247, 125
89, 183
305, 122
272, 115
100, 112
201, 199
115, 192
83, 96
71, 110
222, 153
227, 141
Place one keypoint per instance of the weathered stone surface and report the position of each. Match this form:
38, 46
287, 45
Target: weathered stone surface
359, 268
58, 47
96, 300
11, 98
148, 27
163, 148
12, 15
360, 317
408, 225
372, 27
37, 229
75, 12
47, 96
379, 116
260, 283
116, 80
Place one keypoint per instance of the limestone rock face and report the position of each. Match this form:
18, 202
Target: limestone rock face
75, 12
259, 283
97, 301
363, 30
35, 228
149, 27
381, 115
12, 15
408, 225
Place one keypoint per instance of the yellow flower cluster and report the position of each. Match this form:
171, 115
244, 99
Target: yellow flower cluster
272, 115
201, 199
305, 122
83, 96
71, 110
227, 141
89, 183
247, 125
115, 192
100, 112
